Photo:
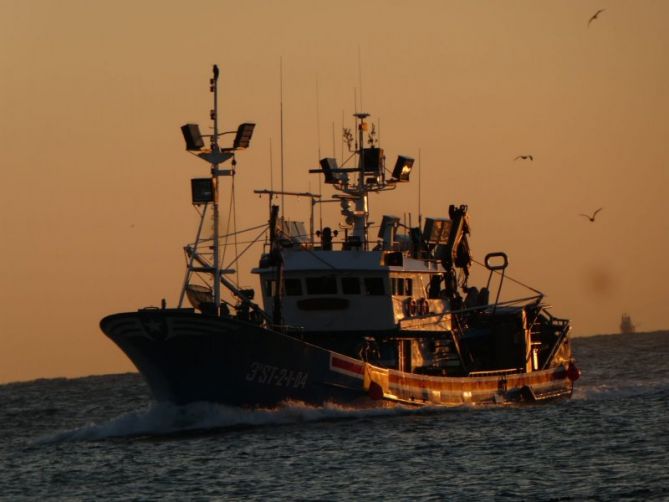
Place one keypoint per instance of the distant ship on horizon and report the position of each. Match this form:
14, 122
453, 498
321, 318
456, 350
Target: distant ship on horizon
626, 325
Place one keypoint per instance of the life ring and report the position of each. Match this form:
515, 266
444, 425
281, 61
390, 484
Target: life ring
412, 307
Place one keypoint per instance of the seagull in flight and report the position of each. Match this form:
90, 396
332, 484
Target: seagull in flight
524, 157
591, 218
594, 16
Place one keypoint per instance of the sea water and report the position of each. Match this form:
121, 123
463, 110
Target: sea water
101, 437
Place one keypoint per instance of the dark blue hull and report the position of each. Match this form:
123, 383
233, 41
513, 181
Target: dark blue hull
188, 357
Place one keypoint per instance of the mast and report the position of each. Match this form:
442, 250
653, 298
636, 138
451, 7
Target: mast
371, 177
206, 190
360, 214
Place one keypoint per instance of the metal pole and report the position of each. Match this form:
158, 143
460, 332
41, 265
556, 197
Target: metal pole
360, 226
312, 203
214, 175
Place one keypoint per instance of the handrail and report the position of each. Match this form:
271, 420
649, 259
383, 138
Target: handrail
508, 371
484, 307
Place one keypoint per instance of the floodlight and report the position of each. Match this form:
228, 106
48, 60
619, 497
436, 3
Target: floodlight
436, 230
387, 223
243, 137
372, 160
402, 168
329, 164
192, 136
202, 190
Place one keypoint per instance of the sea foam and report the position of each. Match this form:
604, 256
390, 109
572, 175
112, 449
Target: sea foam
164, 419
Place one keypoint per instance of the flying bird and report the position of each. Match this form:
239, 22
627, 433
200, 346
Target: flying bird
594, 16
524, 157
591, 218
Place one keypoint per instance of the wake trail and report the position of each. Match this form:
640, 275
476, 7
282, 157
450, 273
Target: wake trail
163, 419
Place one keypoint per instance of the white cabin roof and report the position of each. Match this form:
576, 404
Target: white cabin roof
299, 260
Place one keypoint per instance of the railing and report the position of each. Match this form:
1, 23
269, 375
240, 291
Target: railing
478, 308
508, 371
563, 326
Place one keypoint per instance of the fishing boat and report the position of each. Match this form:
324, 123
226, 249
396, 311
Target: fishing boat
357, 315
626, 325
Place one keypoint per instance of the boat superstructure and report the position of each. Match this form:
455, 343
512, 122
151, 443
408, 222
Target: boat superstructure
626, 325
359, 314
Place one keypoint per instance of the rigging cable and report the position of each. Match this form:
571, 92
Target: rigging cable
251, 243
234, 223
240, 232
227, 225
510, 278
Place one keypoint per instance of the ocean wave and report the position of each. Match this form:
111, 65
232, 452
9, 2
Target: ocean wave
609, 391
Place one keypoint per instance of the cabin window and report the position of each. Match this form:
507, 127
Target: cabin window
435, 286
397, 286
350, 285
321, 285
374, 286
270, 287
401, 286
293, 287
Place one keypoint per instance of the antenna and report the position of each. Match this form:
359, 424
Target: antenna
318, 119
320, 185
360, 76
341, 161
281, 120
271, 166
420, 214
355, 100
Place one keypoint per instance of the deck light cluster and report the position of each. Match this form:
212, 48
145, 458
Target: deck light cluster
373, 163
202, 189
195, 139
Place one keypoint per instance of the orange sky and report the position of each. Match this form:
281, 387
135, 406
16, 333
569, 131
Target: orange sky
95, 202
